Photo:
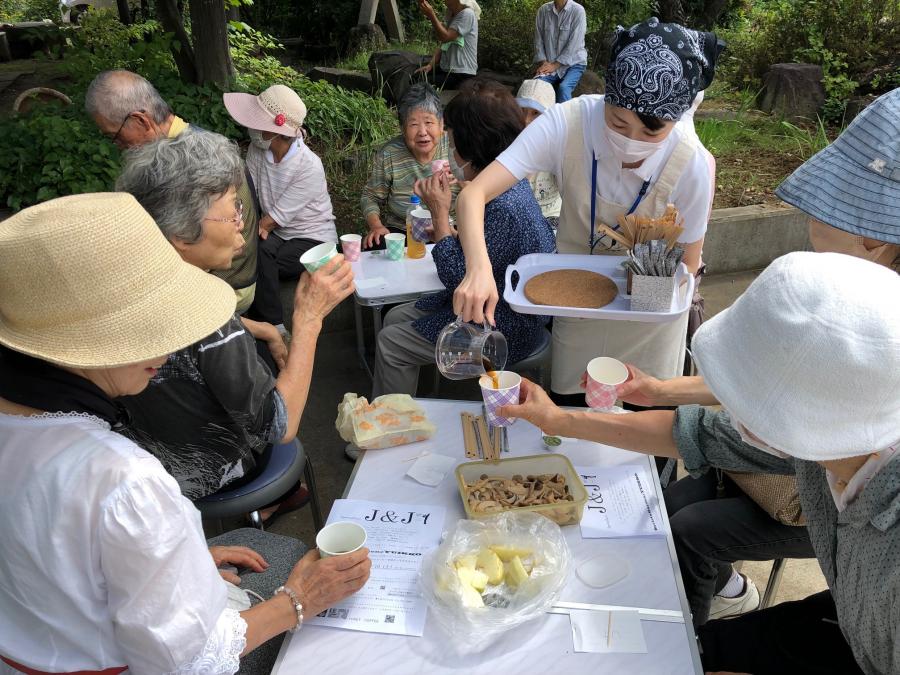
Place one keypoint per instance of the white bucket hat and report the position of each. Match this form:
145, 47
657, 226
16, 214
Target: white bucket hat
808, 358
90, 281
277, 110
536, 94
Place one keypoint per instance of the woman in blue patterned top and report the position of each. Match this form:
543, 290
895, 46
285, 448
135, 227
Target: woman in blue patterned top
483, 120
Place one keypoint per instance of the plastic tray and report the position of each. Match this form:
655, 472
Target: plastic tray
564, 513
531, 265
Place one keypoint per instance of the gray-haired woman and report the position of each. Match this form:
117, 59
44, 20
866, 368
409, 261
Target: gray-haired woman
214, 407
404, 160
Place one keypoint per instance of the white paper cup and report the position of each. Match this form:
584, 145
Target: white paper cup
507, 394
604, 373
351, 245
394, 243
340, 538
318, 256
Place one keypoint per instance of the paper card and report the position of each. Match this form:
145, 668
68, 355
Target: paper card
430, 469
374, 282
622, 502
600, 631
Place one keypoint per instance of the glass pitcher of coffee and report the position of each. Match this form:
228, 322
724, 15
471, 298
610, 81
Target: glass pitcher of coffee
464, 350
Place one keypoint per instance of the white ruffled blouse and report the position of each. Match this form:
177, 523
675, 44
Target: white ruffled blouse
103, 562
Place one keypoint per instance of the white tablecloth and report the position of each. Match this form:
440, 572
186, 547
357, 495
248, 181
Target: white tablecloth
543, 645
381, 281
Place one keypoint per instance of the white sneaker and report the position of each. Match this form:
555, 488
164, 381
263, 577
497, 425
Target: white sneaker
745, 602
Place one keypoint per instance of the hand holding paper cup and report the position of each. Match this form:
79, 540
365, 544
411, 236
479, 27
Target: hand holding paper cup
318, 256
421, 224
340, 538
603, 374
351, 245
507, 393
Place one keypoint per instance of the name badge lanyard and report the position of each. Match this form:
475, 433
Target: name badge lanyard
594, 240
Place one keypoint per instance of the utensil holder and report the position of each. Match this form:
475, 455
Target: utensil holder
651, 294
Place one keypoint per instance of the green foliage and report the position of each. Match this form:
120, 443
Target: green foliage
53, 152
13, 11
848, 38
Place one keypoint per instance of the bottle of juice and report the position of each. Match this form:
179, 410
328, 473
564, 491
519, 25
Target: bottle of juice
414, 249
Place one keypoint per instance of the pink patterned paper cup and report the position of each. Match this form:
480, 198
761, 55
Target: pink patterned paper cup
604, 373
439, 165
351, 245
507, 394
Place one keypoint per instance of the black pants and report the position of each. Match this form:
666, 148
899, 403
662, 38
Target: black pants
444, 80
279, 260
800, 638
710, 534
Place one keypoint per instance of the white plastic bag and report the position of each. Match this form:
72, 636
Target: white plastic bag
473, 629
388, 421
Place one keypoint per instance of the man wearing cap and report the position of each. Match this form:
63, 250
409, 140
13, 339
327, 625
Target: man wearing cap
806, 365
130, 112
535, 97
559, 50
851, 189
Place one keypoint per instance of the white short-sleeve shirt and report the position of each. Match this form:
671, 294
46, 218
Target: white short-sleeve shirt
541, 145
102, 560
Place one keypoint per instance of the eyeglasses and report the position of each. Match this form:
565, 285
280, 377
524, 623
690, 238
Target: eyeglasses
238, 207
122, 126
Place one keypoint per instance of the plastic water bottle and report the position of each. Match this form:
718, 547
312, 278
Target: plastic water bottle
414, 249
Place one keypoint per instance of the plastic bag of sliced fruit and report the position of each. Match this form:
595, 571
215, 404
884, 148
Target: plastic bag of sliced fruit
492, 575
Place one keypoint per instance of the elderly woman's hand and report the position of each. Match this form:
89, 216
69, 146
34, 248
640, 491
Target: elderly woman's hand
435, 192
239, 556
376, 232
322, 583
320, 292
536, 407
266, 225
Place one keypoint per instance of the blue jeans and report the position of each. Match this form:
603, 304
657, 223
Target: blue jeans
566, 84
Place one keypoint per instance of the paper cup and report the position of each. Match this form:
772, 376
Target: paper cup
340, 538
351, 245
318, 256
421, 221
507, 394
438, 165
604, 373
394, 243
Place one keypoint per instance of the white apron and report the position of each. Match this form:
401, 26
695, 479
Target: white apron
655, 348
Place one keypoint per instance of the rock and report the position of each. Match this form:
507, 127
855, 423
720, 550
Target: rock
28, 37
393, 73
354, 80
512, 82
793, 90
856, 105
366, 38
590, 83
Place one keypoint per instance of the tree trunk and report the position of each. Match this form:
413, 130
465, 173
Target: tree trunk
212, 56
124, 12
671, 11
172, 22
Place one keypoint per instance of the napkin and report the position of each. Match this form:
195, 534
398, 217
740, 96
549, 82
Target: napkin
430, 469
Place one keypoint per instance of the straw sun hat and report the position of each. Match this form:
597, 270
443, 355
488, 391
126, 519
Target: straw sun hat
90, 281
277, 110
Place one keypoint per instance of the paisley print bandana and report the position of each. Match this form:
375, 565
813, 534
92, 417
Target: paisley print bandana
657, 68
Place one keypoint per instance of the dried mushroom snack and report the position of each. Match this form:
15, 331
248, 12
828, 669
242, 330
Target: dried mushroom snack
490, 494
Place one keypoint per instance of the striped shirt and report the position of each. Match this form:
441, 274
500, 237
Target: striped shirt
294, 192
390, 185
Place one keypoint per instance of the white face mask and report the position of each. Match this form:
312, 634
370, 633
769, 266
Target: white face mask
627, 150
754, 442
258, 141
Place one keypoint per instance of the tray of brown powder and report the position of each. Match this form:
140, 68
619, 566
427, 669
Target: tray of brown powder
585, 287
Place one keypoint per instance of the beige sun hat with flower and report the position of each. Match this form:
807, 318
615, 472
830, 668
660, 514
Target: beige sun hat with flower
90, 281
277, 110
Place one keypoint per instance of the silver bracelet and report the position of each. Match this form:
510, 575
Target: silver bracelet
295, 601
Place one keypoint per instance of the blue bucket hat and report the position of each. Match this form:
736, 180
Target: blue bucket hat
854, 183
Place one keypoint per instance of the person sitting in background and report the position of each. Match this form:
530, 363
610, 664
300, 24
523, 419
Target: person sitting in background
559, 30
484, 119
215, 407
404, 160
105, 568
535, 97
130, 112
290, 182
806, 364
456, 59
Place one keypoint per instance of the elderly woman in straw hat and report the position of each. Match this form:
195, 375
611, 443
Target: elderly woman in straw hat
105, 568
807, 367
296, 212
215, 407
535, 97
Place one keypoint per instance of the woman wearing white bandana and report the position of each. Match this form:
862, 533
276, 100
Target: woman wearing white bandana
625, 152
807, 366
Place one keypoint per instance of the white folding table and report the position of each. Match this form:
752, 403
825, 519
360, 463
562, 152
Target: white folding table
542, 645
380, 282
